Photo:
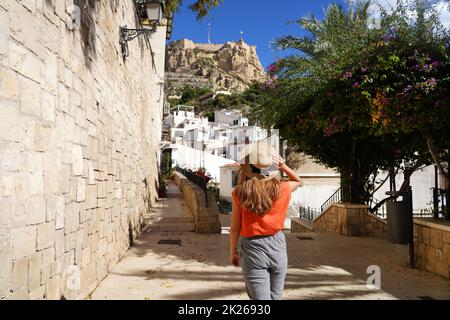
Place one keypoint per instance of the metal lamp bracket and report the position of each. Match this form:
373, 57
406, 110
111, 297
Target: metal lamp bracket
130, 34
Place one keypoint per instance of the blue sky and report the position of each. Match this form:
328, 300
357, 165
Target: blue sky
260, 20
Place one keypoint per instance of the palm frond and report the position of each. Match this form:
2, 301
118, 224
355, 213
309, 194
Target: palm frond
304, 44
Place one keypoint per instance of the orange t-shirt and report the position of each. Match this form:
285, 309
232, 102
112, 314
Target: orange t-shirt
254, 225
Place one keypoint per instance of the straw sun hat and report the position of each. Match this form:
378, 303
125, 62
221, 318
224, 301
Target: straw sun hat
257, 163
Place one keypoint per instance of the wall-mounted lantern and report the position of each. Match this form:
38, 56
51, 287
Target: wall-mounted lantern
150, 13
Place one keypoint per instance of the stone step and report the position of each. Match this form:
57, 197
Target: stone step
170, 227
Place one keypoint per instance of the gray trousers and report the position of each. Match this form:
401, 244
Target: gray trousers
264, 261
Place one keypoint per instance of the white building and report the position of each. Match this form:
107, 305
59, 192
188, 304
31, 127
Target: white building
196, 143
225, 137
193, 159
318, 184
181, 122
241, 136
228, 174
230, 117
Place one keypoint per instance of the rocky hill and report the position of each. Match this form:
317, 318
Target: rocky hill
231, 66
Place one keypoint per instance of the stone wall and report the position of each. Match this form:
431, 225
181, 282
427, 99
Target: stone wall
301, 226
432, 246
206, 217
208, 46
327, 221
78, 144
376, 227
343, 218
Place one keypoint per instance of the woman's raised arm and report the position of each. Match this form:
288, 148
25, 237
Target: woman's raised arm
294, 180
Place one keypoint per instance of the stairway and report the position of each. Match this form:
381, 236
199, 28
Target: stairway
170, 214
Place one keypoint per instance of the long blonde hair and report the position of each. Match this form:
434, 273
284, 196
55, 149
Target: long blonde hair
256, 196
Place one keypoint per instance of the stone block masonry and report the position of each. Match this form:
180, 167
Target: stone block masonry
79, 143
343, 218
432, 246
346, 219
207, 218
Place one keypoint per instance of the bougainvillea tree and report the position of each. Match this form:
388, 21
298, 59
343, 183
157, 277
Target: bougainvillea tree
359, 98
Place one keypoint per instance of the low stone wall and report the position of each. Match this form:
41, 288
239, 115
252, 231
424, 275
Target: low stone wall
432, 246
206, 217
301, 226
376, 227
327, 221
343, 218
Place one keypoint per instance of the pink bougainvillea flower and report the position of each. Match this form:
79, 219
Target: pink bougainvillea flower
435, 64
273, 68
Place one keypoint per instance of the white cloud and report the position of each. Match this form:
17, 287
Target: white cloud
441, 6
376, 8
387, 5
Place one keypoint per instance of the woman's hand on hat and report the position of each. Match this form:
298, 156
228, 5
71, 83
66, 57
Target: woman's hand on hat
278, 160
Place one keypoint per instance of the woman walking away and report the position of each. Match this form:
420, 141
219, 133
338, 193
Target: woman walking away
260, 204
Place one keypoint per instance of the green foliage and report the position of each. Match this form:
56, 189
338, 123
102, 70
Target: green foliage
166, 164
214, 187
162, 184
190, 95
359, 98
249, 101
201, 7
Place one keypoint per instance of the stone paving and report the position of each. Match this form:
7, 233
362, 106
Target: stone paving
170, 214
329, 266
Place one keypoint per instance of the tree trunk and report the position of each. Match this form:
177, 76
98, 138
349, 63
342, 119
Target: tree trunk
445, 174
345, 185
357, 190
447, 191
405, 184
353, 188
437, 161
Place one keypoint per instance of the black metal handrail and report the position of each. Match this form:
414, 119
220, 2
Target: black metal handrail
341, 193
308, 213
196, 179
417, 213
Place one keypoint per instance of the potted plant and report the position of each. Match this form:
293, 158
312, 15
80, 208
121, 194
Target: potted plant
162, 188
201, 172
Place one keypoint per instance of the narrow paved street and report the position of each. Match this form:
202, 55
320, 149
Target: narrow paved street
327, 266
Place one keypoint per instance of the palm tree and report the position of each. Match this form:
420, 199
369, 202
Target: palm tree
331, 46
338, 34
201, 7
